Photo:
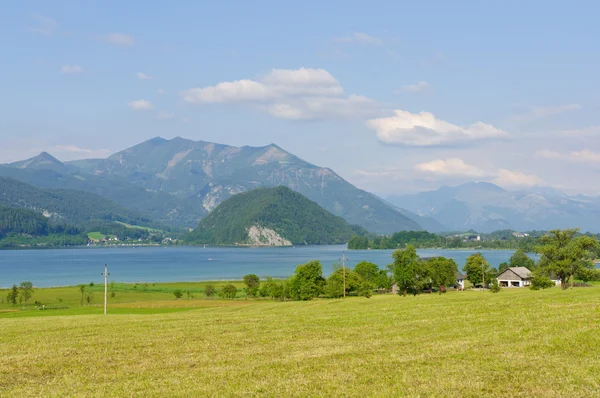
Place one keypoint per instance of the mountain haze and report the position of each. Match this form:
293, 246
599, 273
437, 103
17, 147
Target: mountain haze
486, 207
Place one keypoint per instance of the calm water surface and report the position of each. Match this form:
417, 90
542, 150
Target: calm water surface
62, 267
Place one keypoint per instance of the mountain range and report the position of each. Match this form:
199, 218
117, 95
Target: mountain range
180, 181
485, 207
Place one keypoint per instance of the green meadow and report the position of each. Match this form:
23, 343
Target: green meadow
515, 343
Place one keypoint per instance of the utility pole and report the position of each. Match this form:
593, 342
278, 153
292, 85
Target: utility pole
106, 274
344, 270
482, 275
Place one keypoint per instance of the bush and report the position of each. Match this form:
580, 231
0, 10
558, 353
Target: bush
541, 282
495, 286
177, 293
229, 291
209, 291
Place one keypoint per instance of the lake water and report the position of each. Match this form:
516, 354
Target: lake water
62, 267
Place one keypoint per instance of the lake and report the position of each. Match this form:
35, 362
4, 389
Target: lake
63, 267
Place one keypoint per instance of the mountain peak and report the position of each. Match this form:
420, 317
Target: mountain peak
481, 185
43, 161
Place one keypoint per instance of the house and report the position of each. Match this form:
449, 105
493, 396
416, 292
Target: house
515, 277
460, 280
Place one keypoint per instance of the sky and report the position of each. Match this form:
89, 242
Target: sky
396, 97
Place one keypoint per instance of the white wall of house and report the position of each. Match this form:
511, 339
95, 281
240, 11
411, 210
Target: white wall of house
512, 283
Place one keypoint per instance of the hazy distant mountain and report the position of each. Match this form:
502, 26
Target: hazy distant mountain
271, 217
486, 207
183, 180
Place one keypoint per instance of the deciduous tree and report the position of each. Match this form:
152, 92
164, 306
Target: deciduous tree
478, 269
407, 270
565, 254
521, 259
307, 282
26, 290
252, 283
442, 272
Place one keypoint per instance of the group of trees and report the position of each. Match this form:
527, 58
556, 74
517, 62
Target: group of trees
20, 227
424, 239
413, 274
20, 294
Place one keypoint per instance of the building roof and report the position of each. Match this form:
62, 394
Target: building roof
459, 275
521, 272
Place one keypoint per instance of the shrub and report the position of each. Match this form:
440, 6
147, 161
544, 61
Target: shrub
541, 282
209, 291
177, 293
495, 286
229, 291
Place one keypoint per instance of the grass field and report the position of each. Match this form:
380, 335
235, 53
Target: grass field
514, 343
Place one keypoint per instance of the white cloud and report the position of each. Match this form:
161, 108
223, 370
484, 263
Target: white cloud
118, 39
509, 178
423, 129
360, 38
297, 94
415, 88
586, 156
143, 76
586, 131
583, 156
541, 112
141, 105
71, 69
160, 91
165, 115
44, 25
450, 167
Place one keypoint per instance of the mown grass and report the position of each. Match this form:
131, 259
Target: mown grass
515, 343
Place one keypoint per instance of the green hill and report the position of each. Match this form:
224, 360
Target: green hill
25, 228
63, 206
271, 217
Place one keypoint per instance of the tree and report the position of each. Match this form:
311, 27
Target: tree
82, 290
478, 269
521, 259
209, 291
334, 286
307, 282
177, 293
495, 286
229, 291
368, 271
252, 283
442, 272
358, 243
504, 265
383, 281
408, 271
564, 254
540, 281
13, 295
26, 290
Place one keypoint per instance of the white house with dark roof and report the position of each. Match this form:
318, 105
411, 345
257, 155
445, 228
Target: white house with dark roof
515, 277
460, 279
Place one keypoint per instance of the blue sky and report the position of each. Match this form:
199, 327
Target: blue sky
396, 97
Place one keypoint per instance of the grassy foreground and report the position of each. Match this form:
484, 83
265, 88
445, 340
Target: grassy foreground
515, 343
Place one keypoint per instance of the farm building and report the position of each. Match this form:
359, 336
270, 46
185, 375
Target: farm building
514, 277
